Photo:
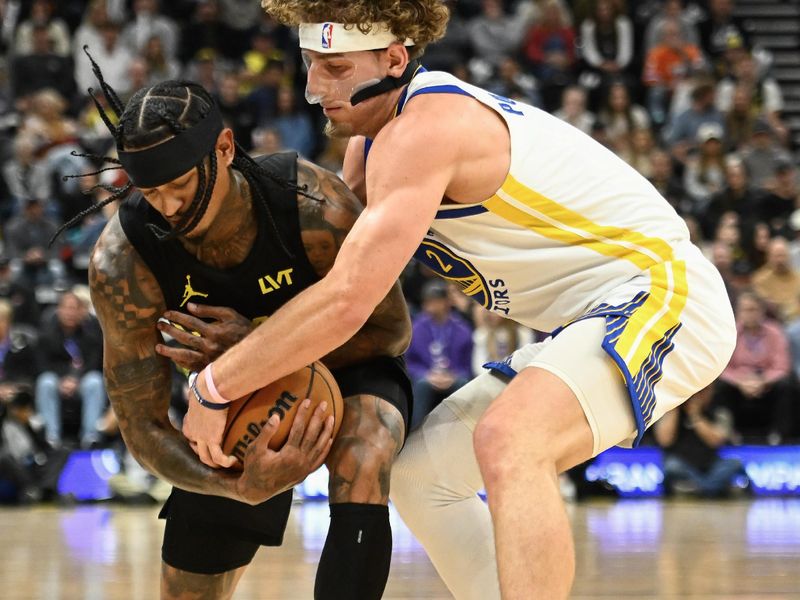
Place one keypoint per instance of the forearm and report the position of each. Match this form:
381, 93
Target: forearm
165, 452
308, 327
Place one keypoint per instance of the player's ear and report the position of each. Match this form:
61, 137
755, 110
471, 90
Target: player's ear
226, 147
397, 55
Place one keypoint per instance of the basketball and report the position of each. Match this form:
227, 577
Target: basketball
246, 416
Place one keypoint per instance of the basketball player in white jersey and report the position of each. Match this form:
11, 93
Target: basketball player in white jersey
536, 222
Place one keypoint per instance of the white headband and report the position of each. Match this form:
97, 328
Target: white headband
335, 37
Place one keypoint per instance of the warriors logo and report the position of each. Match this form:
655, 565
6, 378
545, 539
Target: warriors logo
447, 265
327, 36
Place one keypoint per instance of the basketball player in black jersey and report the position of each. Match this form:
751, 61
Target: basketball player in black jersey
208, 225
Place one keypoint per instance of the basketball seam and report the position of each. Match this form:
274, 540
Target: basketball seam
331, 395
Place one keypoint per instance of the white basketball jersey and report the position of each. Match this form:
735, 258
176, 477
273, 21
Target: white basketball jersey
571, 222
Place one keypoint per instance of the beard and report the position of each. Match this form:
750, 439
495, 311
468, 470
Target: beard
337, 130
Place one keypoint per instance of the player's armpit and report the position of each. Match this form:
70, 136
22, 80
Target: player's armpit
128, 303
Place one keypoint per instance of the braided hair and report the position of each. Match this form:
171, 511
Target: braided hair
155, 114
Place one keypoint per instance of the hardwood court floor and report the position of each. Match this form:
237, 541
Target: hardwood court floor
626, 549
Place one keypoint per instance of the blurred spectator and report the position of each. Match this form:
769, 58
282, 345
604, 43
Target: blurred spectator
778, 283
781, 200
25, 175
267, 140
704, 175
682, 134
18, 353
42, 68
454, 48
9, 13
639, 152
691, 436
494, 35
264, 98
205, 69
549, 49
573, 109
495, 338
42, 17
28, 245
112, 56
667, 64
739, 119
206, 30
755, 385
722, 258
237, 113
667, 182
736, 196
160, 66
71, 363
763, 156
241, 16
719, 30
20, 296
147, 22
765, 96
89, 33
440, 355
673, 11
607, 41
262, 53
620, 116
293, 124
27, 460
512, 82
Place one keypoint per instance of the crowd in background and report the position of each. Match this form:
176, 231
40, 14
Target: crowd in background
674, 88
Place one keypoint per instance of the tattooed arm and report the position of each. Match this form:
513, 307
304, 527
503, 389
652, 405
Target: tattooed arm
129, 302
323, 227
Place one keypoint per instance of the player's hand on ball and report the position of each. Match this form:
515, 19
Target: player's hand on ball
268, 472
218, 327
204, 429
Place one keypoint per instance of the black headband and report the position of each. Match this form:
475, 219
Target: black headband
161, 164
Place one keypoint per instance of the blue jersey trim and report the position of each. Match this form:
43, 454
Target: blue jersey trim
440, 89
455, 213
367, 148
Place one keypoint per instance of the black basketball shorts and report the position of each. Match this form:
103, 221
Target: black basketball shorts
210, 534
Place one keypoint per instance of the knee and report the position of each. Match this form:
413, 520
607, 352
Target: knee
92, 383
499, 451
360, 466
46, 383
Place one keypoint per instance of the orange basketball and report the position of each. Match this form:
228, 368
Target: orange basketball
248, 415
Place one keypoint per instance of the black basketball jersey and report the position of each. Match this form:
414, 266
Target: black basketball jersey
257, 287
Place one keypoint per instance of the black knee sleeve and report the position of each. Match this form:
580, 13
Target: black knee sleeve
357, 554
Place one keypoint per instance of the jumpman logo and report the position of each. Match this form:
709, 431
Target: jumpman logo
189, 293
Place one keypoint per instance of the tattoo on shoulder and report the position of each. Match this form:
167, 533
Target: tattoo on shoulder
125, 293
326, 218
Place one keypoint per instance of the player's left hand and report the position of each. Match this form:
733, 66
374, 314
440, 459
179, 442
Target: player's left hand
204, 334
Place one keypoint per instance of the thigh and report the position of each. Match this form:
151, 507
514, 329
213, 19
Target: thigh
578, 371
210, 535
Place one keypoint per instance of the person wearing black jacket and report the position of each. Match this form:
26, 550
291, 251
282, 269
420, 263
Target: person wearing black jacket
71, 359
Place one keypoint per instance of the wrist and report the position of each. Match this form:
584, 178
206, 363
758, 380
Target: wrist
196, 381
208, 378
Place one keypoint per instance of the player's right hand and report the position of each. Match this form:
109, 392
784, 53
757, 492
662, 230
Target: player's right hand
268, 472
203, 335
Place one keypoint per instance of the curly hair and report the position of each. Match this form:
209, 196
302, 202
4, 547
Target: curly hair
424, 21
